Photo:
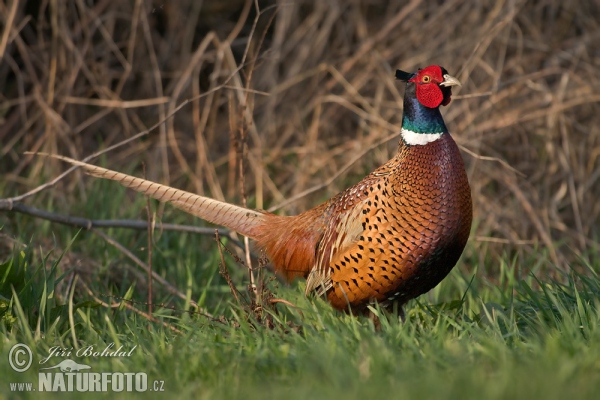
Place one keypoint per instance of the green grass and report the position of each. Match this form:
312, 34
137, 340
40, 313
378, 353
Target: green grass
471, 337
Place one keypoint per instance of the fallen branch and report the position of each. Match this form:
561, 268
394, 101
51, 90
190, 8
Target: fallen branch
88, 224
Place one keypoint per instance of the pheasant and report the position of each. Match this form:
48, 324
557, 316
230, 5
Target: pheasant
391, 237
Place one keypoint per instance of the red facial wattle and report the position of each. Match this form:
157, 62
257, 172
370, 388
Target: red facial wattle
429, 94
429, 91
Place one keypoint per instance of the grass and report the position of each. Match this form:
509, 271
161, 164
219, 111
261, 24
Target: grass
471, 337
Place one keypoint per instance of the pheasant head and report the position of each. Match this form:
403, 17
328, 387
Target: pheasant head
426, 90
433, 85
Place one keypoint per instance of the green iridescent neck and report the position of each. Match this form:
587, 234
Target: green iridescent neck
418, 118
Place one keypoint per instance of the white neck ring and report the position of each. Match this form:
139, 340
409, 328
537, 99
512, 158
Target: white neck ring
414, 138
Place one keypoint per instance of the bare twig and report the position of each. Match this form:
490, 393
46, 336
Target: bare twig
129, 305
150, 226
8, 24
336, 175
170, 288
224, 271
486, 158
115, 103
87, 224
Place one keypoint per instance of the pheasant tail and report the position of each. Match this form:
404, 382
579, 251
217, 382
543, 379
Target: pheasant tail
242, 220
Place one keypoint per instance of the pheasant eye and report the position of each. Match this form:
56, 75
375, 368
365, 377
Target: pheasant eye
426, 79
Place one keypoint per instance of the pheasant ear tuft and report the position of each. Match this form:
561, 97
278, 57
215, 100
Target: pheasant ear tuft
404, 76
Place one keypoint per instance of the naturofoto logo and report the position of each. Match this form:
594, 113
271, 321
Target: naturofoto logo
69, 375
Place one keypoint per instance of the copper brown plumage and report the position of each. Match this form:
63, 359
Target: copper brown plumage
391, 237
415, 221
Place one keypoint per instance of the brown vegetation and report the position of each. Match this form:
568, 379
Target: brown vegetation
309, 87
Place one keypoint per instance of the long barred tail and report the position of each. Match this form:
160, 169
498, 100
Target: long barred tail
242, 220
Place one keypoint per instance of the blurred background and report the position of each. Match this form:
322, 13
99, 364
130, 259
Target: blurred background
291, 92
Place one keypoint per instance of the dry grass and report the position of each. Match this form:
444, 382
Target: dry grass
308, 86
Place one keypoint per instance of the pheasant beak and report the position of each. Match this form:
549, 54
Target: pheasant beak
450, 81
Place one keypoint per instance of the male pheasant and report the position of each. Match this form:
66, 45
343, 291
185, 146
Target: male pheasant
391, 237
